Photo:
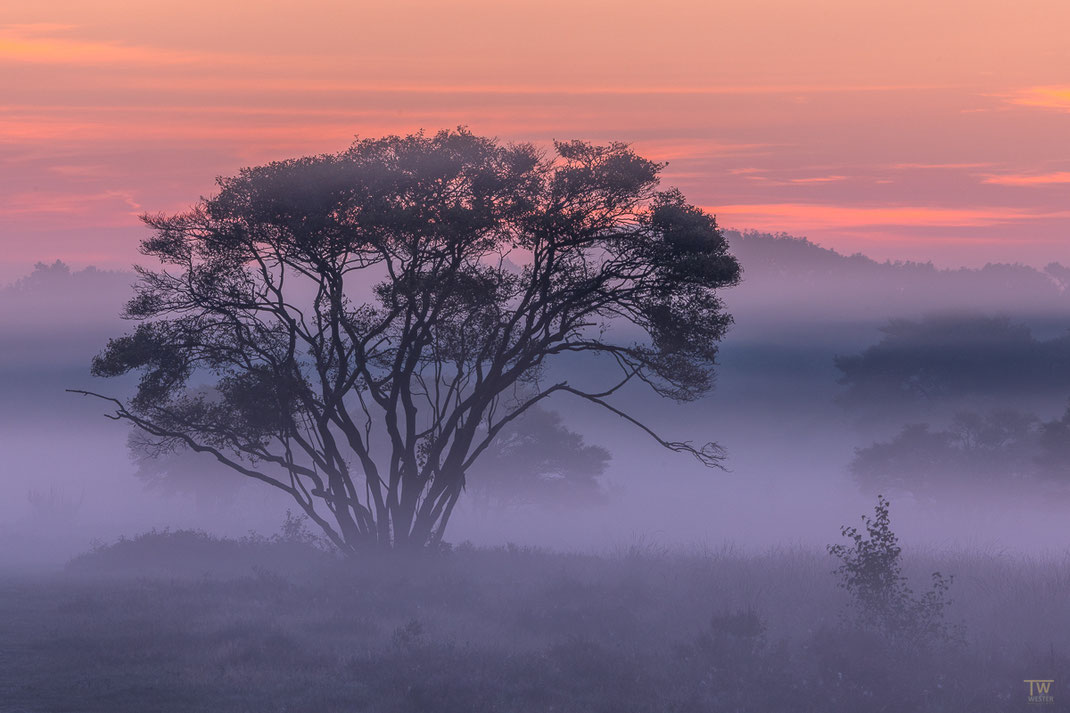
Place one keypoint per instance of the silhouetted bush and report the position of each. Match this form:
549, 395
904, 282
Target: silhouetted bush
871, 572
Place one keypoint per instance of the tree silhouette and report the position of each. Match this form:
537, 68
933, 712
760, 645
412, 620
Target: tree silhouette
995, 448
356, 329
1053, 452
944, 360
537, 460
533, 460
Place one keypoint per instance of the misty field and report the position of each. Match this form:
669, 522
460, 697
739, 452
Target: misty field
184, 622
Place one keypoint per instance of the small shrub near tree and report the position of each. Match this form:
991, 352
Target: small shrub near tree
871, 572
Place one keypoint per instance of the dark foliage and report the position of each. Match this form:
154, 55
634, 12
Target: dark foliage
941, 360
871, 572
371, 320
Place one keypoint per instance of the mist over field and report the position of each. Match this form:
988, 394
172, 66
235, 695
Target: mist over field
588, 567
788, 426
482, 379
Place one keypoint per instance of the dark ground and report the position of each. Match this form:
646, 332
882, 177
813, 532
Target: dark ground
181, 622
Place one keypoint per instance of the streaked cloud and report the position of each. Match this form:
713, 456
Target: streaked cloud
769, 178
811, 216
939, 166
816, 123
45, 43
1042, 179
1049, 97
818, 179
108, 207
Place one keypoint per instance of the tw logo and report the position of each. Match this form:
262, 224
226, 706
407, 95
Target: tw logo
1040, 691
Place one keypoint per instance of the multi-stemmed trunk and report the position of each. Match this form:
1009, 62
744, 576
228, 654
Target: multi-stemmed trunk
411, 521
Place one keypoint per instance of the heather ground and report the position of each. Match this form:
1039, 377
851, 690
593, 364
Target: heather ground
182, 622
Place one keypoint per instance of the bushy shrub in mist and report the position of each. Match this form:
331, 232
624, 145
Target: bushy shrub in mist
871, 572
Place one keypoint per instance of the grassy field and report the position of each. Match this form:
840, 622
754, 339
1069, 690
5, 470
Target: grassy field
182, 622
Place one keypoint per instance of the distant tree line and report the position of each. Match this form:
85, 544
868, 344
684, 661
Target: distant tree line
966, 390
919, 366
980, 451
780, 267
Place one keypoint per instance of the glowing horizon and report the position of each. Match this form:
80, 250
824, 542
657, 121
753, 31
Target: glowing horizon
917, 132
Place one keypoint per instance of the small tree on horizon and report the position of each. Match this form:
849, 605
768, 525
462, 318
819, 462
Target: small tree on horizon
355, 329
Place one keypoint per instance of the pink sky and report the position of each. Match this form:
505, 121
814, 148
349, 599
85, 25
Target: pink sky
921, 131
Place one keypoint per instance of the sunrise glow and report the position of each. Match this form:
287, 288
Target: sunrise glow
923, 131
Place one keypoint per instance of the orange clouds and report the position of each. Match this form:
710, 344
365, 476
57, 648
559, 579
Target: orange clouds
868, 127
1056, 97
38, 43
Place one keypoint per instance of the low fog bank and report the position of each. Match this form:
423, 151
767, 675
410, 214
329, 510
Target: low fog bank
179, 622
792, 432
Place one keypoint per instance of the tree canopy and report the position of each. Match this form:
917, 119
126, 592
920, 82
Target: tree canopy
951, 360
355, 329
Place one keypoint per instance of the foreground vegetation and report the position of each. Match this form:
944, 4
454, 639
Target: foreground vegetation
184, 622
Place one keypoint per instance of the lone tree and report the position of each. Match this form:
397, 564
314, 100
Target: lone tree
356, 329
